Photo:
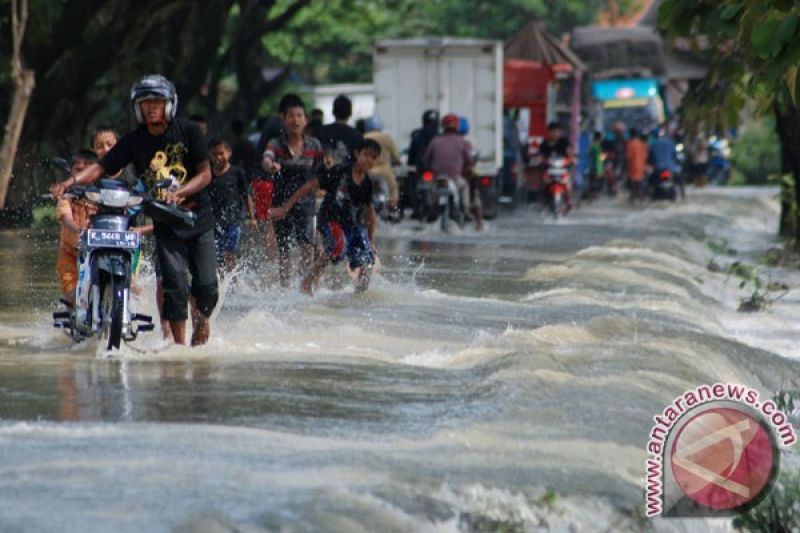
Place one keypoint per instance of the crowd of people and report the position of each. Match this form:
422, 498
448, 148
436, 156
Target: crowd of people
606, 162
271, 184
272, 181
633, 157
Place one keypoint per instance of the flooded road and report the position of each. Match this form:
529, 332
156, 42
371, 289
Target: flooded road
503, 380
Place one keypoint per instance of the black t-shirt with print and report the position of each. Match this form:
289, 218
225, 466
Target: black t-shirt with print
342, 140
226, 192
175, 154
344, 200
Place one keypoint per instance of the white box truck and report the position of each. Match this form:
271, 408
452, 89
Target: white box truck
461, 76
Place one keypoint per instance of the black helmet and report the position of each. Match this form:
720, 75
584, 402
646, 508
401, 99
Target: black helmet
154, 85
430, 118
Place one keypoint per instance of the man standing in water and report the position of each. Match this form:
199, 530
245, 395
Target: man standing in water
293, 159
163, 145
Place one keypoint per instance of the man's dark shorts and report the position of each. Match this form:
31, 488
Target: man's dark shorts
179, 257
353, 242
297, 226
226, 240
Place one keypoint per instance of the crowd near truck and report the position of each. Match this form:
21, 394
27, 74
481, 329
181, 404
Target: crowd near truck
461, 76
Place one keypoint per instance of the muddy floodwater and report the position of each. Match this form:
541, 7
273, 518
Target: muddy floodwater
496, 381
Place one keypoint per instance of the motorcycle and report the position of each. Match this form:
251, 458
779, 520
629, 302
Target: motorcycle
719, 166
105, 264
664, 185
438, 199
380, 201
556, 179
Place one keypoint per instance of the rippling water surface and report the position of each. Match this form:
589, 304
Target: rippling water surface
504, 379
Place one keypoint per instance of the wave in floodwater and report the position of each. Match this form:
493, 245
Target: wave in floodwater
501, 379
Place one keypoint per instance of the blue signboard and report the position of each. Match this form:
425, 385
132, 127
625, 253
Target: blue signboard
627, 89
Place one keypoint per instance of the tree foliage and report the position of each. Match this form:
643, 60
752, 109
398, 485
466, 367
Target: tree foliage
752, 47
228, 58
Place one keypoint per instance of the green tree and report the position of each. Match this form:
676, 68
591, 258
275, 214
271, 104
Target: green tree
499, 20
86, 54
755, 57
226, 57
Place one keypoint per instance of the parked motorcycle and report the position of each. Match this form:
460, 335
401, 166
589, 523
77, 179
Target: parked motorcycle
105, 265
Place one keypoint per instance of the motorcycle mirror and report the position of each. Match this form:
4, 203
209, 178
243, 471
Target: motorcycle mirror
61, 164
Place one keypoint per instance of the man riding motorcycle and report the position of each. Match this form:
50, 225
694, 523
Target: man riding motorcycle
663, 157
555, 145
450, 155
420, 139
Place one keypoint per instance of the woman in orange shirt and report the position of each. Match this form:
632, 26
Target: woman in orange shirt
636, 156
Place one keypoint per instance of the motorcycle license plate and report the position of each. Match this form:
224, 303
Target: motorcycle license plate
98, 238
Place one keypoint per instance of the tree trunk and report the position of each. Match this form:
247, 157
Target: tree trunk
787, 123
24, 80
23, 88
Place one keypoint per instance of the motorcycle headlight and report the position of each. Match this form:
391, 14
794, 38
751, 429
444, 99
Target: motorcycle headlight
114, 197
134, 200
94, 196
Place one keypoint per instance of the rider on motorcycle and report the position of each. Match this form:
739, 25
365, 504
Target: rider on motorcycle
472, 179
389, 156
450, 155
663, 156
558, 145
420, 139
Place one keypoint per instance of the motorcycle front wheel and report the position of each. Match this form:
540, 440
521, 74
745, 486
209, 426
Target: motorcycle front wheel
558, 206
112, 306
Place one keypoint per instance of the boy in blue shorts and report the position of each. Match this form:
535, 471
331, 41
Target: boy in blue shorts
229, 193
346, 219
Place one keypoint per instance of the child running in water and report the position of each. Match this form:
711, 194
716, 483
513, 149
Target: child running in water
229, 191
347, 218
